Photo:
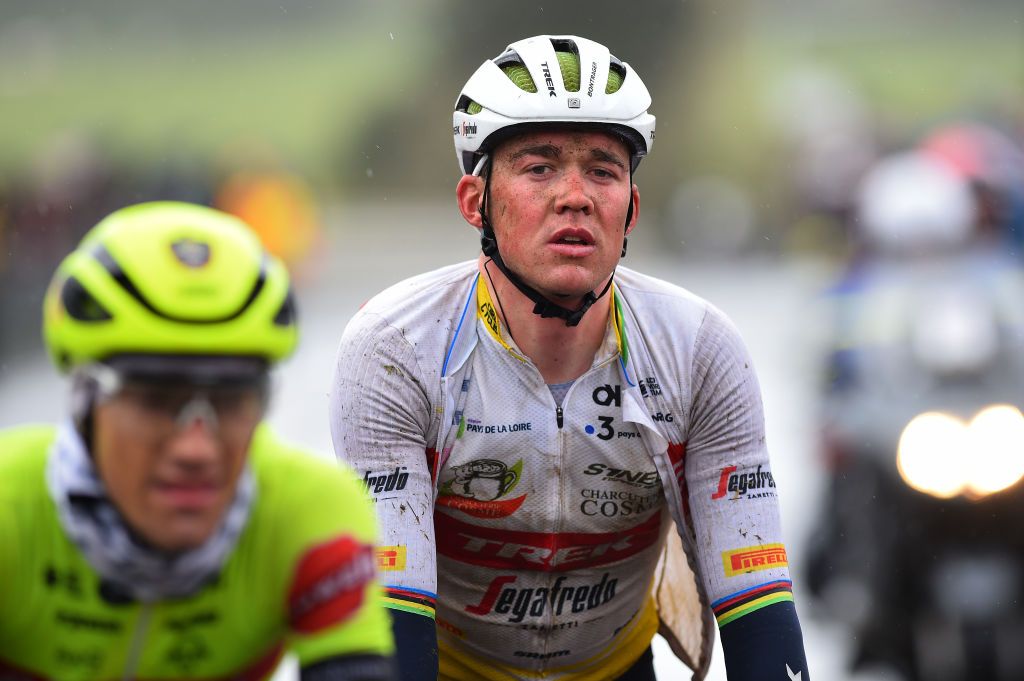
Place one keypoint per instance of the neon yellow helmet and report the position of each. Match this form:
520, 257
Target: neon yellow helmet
169, 278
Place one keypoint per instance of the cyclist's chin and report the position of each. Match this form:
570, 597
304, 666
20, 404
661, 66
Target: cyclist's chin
182, 522
568, 285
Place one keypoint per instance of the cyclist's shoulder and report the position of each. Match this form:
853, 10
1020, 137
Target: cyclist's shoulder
654, 300
425, 295
23, 453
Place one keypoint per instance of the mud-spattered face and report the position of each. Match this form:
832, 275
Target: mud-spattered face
558, 204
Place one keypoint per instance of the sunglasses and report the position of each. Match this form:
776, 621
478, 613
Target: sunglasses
175, 402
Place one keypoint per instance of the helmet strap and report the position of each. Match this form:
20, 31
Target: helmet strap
629, 211
542, 307
84, 398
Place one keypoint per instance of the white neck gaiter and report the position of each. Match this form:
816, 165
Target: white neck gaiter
92, 522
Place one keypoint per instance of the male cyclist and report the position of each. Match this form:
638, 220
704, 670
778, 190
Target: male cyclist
163, 531
533, 423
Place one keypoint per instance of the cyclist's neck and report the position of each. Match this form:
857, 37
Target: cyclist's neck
561, 353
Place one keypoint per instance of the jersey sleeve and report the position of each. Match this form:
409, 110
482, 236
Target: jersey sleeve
334, 604
733, 502
381, 415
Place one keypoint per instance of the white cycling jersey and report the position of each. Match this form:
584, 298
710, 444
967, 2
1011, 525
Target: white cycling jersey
538, 527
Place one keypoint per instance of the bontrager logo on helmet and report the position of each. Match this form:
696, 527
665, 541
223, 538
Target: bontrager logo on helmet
503, 95
191, 253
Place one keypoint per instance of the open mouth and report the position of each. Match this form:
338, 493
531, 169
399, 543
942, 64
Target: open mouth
573, 237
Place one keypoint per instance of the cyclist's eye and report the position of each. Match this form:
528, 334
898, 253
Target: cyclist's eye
538, 170
236, 402
157, 401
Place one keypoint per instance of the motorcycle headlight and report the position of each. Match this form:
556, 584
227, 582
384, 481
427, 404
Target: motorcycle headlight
930, 454
997, 454
941, 455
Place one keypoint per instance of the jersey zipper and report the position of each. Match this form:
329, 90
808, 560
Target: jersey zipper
138, 641
544, 635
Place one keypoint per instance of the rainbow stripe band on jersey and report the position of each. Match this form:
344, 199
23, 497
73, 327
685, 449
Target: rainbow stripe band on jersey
410, 600
747, 601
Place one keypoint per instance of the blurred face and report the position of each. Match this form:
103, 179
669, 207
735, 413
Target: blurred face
170, 457
558, 204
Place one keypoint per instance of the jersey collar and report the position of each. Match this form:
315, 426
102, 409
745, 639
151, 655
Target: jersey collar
488, 314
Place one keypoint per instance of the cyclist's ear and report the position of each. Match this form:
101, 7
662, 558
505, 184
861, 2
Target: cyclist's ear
469, 194
84, 392
635, 215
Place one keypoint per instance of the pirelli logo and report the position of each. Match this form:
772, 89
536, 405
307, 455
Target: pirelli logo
390, 558
753, 559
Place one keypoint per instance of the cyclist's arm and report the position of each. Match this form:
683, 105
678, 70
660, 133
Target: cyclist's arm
350, 668
380, 418
338, 628
735, 512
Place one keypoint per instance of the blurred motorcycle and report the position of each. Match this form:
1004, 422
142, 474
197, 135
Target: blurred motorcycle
918, 548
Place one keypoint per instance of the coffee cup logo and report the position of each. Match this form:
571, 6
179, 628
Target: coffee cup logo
481, 488
483, 479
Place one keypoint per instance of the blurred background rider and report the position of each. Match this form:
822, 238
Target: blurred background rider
161, 531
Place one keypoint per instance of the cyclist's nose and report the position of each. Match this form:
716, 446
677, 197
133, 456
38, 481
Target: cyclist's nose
195, 440
572, 193
198, 410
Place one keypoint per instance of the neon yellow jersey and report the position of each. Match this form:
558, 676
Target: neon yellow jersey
286, 585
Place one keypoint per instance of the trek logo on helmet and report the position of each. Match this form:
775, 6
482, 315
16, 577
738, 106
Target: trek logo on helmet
194, 254
547, 79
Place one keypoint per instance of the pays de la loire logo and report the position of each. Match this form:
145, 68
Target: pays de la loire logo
478, 488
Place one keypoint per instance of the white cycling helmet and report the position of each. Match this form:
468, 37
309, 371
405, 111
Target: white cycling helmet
550, 79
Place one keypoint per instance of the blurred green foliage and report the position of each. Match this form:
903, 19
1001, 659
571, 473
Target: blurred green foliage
357, 94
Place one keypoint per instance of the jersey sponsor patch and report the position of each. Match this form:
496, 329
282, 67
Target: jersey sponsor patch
378, 483
478, 488
330, 584
641, 479
391, 558
564, 597
754, 559
555, 552
482, 509
756, 484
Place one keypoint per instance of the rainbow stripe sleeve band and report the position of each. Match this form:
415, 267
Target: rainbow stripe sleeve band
410, 600
747, 601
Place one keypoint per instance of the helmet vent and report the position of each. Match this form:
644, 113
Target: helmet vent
512, 64
568, 56
616, 74
104, 257
286, 315
80, 304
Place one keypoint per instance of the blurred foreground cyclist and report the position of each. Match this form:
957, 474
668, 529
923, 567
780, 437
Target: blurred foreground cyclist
567, 456
162, 531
